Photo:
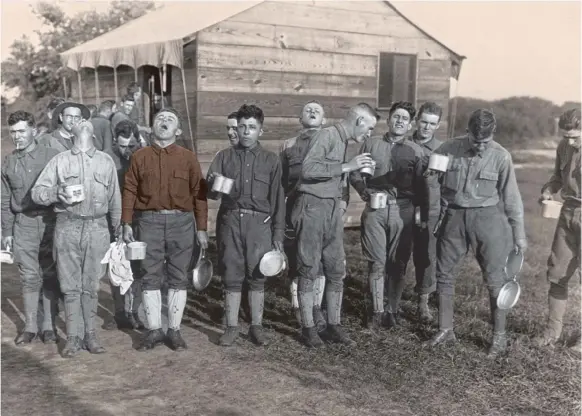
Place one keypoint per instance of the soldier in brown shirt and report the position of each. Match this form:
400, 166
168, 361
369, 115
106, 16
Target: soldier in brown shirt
163, 187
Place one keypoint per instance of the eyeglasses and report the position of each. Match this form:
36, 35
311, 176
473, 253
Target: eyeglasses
74, 118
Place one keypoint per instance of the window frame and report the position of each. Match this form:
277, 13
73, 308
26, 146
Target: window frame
415, 59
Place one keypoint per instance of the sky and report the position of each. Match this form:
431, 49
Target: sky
512, 47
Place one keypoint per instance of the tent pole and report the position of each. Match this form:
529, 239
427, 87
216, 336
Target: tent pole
161, 85
454, 111
97, 95
80, 86
188, 110
135, 74
65, 87
115, 82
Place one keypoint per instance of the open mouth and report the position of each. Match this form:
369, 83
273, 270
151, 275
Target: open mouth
163, 127
313, 117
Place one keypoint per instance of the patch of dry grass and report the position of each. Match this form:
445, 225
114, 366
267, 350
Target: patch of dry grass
452, 380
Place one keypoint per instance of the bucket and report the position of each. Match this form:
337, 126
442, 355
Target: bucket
227, 184
551, 209
438, 162
75, 192
378, 200
136, 250
272, 263
217, 183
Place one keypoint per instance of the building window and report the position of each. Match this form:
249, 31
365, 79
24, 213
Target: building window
396, 78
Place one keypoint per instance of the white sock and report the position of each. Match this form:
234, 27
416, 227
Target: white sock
318, 290
176, 305
152, 304
294, 300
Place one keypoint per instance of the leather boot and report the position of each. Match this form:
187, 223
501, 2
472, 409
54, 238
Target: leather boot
91, 343
257, 335
72, 347
576, 347
311, 337
553, 329
499, 341
424, 314
175, 340
25, 338
446, 333
390, 320
230, 335
49, 336
151, 339
335, 333
134, 320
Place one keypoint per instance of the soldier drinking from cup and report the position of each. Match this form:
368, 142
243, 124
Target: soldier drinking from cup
82, 185
252, 220
28, 228
317, 218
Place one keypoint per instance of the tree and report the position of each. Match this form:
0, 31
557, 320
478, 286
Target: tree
37, 72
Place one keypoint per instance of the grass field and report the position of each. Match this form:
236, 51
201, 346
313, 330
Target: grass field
387, 375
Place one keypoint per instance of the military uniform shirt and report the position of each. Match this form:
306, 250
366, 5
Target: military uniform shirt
566, 174
474, 181
20, 171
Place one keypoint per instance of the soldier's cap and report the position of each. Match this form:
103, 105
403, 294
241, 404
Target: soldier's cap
61, 107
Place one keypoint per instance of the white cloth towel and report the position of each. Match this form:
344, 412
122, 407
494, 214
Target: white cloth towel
119, 268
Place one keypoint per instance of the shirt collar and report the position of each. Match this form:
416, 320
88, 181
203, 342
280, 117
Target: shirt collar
239, 149
469, 151
389, 139
168, 149
430, 144
30, 151
91, 152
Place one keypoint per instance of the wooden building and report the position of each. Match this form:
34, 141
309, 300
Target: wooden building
208, 58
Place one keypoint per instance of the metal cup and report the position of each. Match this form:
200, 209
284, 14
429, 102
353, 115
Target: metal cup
136, 250
438, 162
75, 192
217, 183
368, 170
226, 185
378, 200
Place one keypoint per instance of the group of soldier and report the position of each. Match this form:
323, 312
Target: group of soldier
141, 185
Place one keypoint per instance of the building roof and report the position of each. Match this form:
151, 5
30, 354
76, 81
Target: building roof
158, 37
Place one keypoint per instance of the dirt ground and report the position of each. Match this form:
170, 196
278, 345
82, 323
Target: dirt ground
391, 374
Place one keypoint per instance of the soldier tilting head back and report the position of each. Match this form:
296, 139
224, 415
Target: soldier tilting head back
81, 184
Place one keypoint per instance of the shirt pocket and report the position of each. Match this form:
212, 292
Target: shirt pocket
452, 177
180, 185
261, 184
102, 184
71, 177
486, 183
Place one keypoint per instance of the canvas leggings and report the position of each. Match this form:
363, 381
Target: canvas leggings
80, 245
33, 237
564, 259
